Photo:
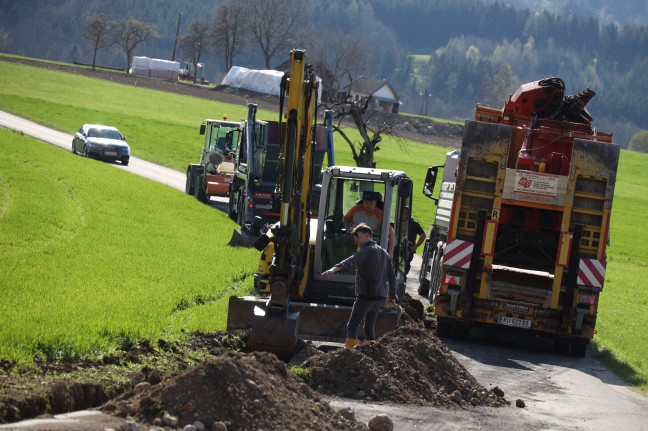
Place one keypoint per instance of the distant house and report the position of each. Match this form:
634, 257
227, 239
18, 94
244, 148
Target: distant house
383, 95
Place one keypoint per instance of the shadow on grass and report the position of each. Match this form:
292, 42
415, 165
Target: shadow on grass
621, 368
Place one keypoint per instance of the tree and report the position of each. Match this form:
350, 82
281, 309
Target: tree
639, 142
274, 25
130, 33
226, 35
195, 43
336, 62
364, 151
99, 31
496, 90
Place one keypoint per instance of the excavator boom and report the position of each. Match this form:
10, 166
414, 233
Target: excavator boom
274, 328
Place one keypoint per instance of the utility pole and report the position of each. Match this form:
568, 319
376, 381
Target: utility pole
175, 44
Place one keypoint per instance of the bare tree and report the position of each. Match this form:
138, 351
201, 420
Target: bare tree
274, 24
195, 43
336, 62
371, 127
226, 35
99, 31
130, 33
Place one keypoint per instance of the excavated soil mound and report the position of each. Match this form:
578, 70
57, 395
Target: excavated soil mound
243, 392
409, 365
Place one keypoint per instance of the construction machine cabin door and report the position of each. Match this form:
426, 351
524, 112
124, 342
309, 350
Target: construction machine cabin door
335, 243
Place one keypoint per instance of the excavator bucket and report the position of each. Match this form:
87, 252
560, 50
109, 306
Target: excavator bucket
322, 322
274, 332
243, 238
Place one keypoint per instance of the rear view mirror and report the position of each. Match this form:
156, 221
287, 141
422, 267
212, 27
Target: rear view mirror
202, 129
430, 181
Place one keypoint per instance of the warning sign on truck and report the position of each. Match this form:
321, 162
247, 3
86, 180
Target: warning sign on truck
529, 182
527, 186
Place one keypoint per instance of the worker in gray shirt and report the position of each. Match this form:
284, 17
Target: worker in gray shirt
374, 272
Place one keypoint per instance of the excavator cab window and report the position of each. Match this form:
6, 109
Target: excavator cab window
343, 196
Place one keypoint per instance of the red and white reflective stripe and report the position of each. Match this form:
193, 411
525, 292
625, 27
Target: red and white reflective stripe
453, 279
458, 253
591, 272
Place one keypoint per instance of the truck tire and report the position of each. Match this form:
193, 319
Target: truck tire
571, 346
445, 327
449, 328
240, 212
424, 282
231, 212
435, 271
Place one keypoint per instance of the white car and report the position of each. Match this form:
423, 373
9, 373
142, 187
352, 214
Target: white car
101, 142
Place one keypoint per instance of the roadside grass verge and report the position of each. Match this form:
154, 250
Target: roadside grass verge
186, 242
623, 311
94, 259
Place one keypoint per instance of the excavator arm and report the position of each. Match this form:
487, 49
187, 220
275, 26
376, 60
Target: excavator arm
275, 328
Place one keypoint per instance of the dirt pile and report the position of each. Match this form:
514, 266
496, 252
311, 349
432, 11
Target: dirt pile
409, 365
241, 391
258, 391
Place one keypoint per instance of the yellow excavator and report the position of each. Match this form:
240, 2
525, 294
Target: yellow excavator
293, 299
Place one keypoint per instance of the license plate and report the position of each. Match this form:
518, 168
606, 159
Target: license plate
512, 321
110, 153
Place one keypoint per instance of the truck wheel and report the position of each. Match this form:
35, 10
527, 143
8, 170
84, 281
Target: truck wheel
231, 212
424, 282
199, 189
448, 328
435, 272
571, 346
445, 327
578, 347
240, 215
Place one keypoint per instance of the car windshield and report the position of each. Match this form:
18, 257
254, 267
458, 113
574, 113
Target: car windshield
104, 133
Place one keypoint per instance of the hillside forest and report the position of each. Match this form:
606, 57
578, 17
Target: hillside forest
440, 56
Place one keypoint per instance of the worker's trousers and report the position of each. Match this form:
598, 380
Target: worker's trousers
366, 308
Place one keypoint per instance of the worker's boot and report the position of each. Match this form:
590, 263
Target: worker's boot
350, 343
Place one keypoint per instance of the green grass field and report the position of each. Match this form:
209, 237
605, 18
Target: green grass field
93, 258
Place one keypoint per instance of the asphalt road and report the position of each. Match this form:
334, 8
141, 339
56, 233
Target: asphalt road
559, 392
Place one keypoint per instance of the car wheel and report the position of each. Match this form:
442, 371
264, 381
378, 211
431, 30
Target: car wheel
124, 162
73, 149
85, 151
